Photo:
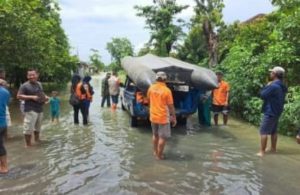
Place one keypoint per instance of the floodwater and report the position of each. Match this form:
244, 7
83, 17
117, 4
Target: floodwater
110, 157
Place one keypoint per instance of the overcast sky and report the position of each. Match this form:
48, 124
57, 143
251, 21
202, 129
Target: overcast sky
92, 23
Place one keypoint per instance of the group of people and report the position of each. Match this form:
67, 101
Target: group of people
31, 92
110, 90
83, 90
162, 111
161, 107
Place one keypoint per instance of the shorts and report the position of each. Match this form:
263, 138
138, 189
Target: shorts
163, 131
269, 125
115, 99
216, 109
54, 113
8, 118
2, 148
32, 122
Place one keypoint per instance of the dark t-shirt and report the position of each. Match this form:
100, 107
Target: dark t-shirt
29, 88
273, 96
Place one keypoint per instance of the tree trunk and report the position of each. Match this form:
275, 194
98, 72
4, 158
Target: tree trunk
212, 43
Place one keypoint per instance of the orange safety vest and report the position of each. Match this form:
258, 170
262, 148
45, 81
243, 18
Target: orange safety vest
83, 96
141, 98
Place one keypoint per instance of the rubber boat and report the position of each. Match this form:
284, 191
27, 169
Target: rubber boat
142, 70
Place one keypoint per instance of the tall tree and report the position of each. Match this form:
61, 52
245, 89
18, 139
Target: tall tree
194, 48
286, 4
209, 15
31, 36
119, 48
95, 59
160, 20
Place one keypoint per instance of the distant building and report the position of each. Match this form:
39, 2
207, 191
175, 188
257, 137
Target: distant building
254, 18
84, 69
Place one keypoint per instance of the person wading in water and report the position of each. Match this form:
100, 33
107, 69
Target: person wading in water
33, 95
273, 96
162, 112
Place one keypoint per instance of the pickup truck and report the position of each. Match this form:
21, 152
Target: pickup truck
185, 101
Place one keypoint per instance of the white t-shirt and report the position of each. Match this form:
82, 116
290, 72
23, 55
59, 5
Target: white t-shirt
114, 85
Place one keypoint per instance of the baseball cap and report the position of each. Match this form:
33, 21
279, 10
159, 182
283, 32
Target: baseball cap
277, 70
161, 75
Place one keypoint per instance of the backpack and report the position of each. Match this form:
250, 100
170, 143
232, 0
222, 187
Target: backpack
74, 100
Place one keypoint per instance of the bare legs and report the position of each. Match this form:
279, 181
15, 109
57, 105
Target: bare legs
216, 118
155, 143
3, 157
273, 142
263, 144
3, 164
225, 119
28, 139
298, 138
158, 146
36, 136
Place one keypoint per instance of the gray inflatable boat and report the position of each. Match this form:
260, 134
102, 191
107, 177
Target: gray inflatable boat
142, 70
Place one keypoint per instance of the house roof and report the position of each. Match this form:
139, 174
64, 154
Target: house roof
254, 18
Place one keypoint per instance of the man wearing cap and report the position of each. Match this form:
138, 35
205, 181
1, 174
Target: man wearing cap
273, 96
220, 97
162, 112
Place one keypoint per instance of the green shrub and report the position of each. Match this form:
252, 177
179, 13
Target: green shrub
290, 118
252, 112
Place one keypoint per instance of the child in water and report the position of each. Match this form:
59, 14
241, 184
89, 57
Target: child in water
54, 106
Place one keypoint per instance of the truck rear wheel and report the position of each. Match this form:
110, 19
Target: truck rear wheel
133, 121
182, 120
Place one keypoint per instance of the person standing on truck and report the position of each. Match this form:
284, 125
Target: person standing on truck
162, 113
220, 97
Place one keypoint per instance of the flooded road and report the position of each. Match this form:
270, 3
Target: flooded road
110, 157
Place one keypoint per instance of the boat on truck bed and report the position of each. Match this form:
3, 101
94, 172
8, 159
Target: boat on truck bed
186, 81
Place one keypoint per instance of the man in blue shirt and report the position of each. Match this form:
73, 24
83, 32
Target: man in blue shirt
4, 100
273, 96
